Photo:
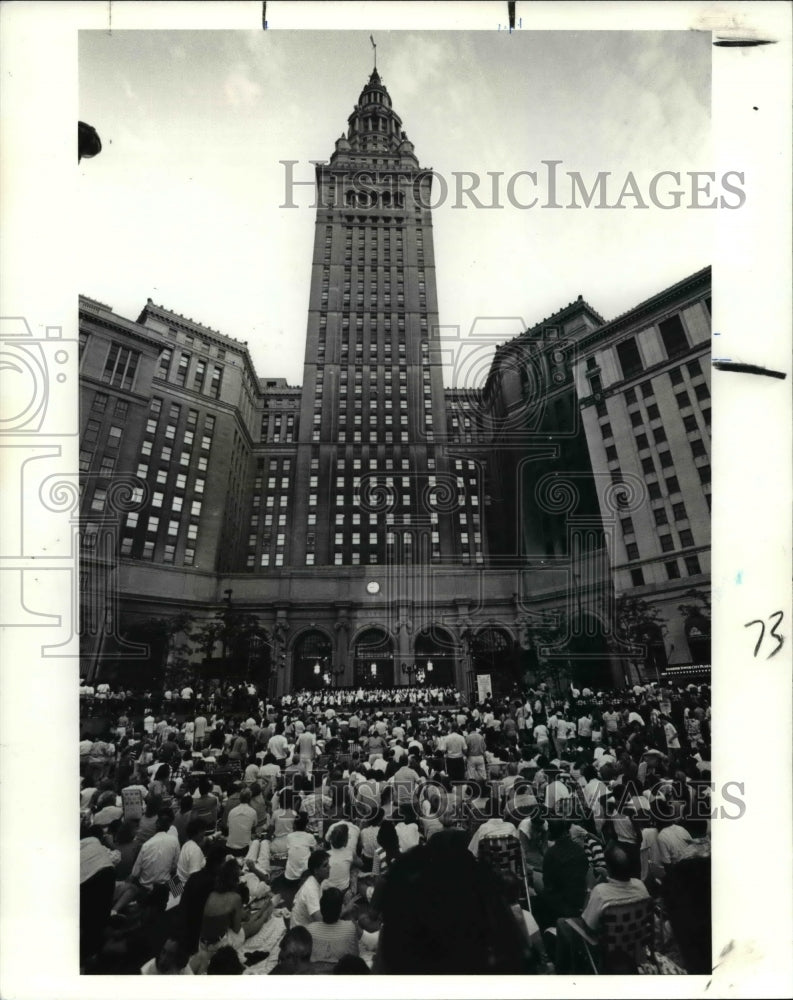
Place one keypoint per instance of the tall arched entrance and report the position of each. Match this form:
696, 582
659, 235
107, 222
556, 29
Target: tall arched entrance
493, 652
654, 660
311, 657
588, 655
434, 657
373, 659
697, 629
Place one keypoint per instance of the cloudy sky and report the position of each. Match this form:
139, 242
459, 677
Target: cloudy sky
187, 189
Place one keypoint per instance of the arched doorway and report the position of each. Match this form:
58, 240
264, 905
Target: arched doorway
697, 629
434, 657
373, 659
493, 652
654, 660
588, 655
311, 658
258, 658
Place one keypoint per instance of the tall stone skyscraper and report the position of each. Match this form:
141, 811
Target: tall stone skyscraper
373, 399
375, 528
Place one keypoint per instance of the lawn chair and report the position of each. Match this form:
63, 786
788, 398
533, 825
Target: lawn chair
626, 938
504, 855
132, 803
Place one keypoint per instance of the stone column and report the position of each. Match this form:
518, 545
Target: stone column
342, 651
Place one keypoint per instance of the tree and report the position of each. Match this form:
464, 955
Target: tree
245, 643
699, 603
169, 659
640, 623
547, 632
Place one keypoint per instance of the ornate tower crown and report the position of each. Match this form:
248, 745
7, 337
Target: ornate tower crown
374, 129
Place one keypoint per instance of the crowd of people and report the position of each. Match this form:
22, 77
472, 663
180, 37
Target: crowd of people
233, 697
353, 832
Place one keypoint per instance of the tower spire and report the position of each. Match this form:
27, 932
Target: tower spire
374, 46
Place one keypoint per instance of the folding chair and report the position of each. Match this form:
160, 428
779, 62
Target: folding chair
626, 938
504, 855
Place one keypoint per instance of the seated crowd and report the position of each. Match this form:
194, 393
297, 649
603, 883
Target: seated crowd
314, 836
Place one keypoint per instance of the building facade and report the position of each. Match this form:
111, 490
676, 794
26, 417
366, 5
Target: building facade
375, 527
643, 382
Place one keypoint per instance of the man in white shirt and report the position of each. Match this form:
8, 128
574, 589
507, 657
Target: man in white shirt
541, 737
242, 820
673, 843
456, 749
305, 909
585, 729
595, 794
306, 747
277, 746
191, 856
200, 731
154, 865
564, 730
618, 888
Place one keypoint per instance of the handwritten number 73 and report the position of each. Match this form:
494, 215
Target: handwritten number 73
776, 617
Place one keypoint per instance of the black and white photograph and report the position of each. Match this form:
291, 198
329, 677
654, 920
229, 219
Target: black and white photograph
392, 518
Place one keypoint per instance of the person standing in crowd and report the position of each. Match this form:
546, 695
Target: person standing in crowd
306, 746
476, 769
541, 737
456, 748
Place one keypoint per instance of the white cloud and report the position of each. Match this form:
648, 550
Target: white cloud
239, 89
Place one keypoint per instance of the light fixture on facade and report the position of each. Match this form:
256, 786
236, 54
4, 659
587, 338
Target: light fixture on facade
429, 666
373, 670
317, 668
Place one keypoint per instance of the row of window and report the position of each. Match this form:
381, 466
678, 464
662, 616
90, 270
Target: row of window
180, 374
190, 340
672, 567
675, 341
697, 445
673, 337
375, 437
686, 540
278, 427
168, 550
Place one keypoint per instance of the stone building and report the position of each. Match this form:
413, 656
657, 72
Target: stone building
373, 525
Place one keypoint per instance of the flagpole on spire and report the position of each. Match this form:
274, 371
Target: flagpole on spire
375, 51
